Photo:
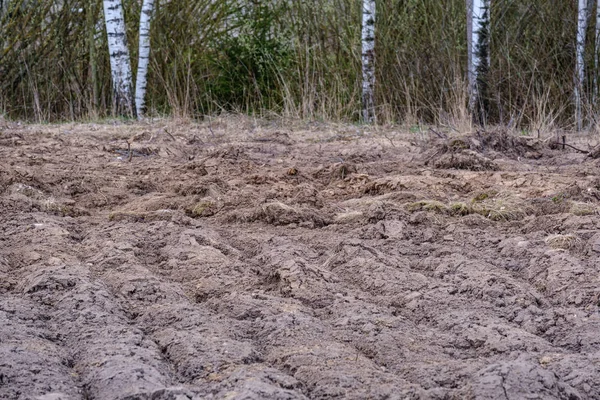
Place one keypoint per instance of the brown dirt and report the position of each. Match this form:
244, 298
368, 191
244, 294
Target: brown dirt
247, 260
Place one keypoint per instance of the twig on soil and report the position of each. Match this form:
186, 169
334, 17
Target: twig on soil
129, 150
433, 155
573, 147
195, 139
210, 127
169, 133
388, 138
441, 135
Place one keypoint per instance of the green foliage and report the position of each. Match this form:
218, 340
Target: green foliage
254, 58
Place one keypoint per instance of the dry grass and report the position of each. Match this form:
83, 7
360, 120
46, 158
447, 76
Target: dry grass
141, 216
202, 209
28, 191
566, 242
348, 217
278, 213
427, 205
581, 208
502, 207
277, 207
499, 207
460, 208
456, 157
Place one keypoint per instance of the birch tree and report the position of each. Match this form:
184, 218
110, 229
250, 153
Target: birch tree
144, 56
596, 50
478, 23
3, 7
119, 57
92, 21
368, 60
582, 14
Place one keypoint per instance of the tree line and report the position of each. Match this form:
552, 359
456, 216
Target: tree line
531, 64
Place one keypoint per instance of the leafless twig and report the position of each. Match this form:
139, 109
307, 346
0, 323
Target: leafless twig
171, 136
390, 139
573, 147
130, 151
441, 135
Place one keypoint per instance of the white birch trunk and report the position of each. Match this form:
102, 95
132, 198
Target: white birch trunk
119, 57
475, 11
596, 50
144, 56
368, 60
582, 14
3, 7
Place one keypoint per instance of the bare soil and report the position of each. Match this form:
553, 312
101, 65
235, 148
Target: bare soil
263, 260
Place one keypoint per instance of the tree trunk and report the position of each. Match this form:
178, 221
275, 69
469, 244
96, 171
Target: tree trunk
478, 55
582, 15
3, 8
144, 56
368, 60
91, 27
119, 58
596, 50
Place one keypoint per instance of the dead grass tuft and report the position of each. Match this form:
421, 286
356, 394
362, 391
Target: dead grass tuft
581, 208
204, 208
385, 185
502, 207
427, 205
348, 217
456, 157
28, 191
460, 208
133, 216
566, 242
278, 213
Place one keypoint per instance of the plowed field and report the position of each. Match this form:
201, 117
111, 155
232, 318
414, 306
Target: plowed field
245, 260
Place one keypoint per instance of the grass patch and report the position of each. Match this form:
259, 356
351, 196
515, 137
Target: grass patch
496, 207
52, 206
482, 196
202, 209
581, 208
460, 208
348, 217
142, 216
565, 242
501, 207
427, 205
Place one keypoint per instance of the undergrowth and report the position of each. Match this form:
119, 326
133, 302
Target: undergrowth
294, 59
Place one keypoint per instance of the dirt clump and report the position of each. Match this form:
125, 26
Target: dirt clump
504, 142
477, 151
231, 260
464, 159
278, 213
